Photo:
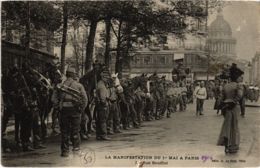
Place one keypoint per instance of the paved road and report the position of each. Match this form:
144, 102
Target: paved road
183, 140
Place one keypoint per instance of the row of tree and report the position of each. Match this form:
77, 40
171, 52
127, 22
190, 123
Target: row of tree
125, 21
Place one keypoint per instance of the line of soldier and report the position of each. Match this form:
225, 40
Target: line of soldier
117, 106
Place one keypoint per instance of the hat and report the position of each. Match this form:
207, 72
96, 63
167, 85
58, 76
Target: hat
235, 72
71, 70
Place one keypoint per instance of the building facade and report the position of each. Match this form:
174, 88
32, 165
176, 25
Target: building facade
150, 61
220, 42
256, 69
12, 54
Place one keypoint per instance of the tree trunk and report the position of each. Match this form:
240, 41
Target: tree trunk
76, 50
28, 33
90, 45
119, 62
64, 36
108, 39
128, 45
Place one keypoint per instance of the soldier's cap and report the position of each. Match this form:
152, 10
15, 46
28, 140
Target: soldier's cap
71, 70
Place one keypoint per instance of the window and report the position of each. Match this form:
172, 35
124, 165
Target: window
147, 59
138, 60
161, 59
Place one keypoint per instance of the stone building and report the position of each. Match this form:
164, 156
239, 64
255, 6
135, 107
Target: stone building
220, 42
150, 61
256, 69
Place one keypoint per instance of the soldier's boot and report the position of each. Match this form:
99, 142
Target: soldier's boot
117, 130
83, 131
169, 111
157, 114
84, 136
64, 154
125, 127
110, 132
136, 124
37, 143
110, 127
5, 145
26, 147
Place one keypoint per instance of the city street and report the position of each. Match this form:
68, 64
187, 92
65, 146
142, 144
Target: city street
182, 140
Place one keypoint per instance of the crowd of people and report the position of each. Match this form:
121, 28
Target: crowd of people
98, 102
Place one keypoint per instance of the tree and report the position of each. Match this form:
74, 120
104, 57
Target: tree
28, 16
64, 35
78, 41
90, 12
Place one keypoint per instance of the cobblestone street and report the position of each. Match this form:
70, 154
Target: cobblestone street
182, 140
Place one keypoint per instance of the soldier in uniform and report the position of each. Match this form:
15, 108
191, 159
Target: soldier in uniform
102, 108
113, 122
175, 97
130, 99
71, 108
201, 95
169, 98
183, 97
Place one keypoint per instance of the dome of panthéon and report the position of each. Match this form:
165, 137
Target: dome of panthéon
220, 42
220, 27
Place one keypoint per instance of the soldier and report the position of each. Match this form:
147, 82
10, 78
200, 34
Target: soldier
163, 91
178, 95
201, 95
113, 122
169, 99
102, 107
130, 99
72, 100
174, 97
218, 95
183, 97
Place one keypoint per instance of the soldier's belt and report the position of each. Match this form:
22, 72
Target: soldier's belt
67, 104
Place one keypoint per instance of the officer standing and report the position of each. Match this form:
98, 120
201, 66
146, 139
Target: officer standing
70, 113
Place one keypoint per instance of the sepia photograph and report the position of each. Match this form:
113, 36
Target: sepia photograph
130, 83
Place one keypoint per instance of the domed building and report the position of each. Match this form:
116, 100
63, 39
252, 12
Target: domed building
220, 42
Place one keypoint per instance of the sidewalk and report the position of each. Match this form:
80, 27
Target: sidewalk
253, 104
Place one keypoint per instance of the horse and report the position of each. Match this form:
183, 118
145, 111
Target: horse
133, 100
40, 87
20, 99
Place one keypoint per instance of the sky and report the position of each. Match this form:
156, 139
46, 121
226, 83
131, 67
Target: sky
244, 19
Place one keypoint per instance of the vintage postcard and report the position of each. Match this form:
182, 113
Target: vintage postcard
133, 83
